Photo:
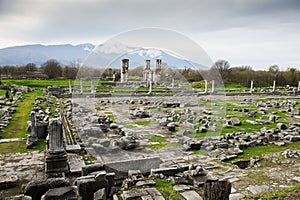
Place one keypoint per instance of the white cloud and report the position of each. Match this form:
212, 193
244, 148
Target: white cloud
253, 32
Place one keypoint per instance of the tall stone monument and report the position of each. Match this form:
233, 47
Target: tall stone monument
124, 70
158, 71
56, 156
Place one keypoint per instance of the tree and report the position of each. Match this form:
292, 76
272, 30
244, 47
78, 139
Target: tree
70, 72
30, 67
274, 68
52, 69
223, 67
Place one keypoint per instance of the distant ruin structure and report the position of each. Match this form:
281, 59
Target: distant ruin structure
124, 70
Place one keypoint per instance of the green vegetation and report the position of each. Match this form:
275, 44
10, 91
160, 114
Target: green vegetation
37, 83
163, 145
269, 195
17, 125
157, 138
20, 147
165, 187
269, 148
145, 123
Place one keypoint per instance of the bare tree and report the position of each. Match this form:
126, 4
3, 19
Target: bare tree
52, 69
223, 67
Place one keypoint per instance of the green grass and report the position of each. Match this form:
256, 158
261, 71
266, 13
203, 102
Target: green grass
20, 147
269, 148
165, 187
269, 195
234, 86
2, 92
17, 125
145, 123
201, 152
37, 83
163, 145
157, 138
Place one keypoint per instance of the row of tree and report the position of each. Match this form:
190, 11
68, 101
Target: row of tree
221, 70
51, 69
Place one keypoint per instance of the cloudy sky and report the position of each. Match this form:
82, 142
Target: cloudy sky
258, 33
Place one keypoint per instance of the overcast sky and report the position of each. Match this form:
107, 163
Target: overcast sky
258, 33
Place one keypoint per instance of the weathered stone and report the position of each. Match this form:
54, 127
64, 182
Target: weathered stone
19, 197
215, 190
236, 122
121, 168
257, 188
36, 188
145, 183
281, 126
100, 194
61, 193
191, 195
8, 181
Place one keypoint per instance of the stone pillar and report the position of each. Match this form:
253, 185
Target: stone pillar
114, 77
81, 87
56, 157
124, 70
173, 83
150, 87
92, 87
298, 86
205, 87
147, 63
217, 190
157, 72
274, 86
212, 86
33, 124
70, 86
251, 86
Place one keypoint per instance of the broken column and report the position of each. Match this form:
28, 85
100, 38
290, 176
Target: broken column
150, 88
251, 86
274, 86
70, 86
124, 70
157, 72
81, 87
92, 87
212, 86
56, 157
217, 189
33, 139
205, 88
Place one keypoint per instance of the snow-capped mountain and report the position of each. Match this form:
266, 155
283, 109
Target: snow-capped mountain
106, 55
110, 55
38, 54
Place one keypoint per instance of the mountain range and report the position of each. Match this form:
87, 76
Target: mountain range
91, 55
39, 54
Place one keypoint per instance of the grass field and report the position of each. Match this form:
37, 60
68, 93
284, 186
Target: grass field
36, 83
17, 126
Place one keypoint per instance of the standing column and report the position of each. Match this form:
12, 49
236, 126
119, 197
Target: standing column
124, 70
56, 157
298, 86
173, 83
92, 87
212, 86
274, 86
81, 87
251, 86
150, 87
70, 86
205, 88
